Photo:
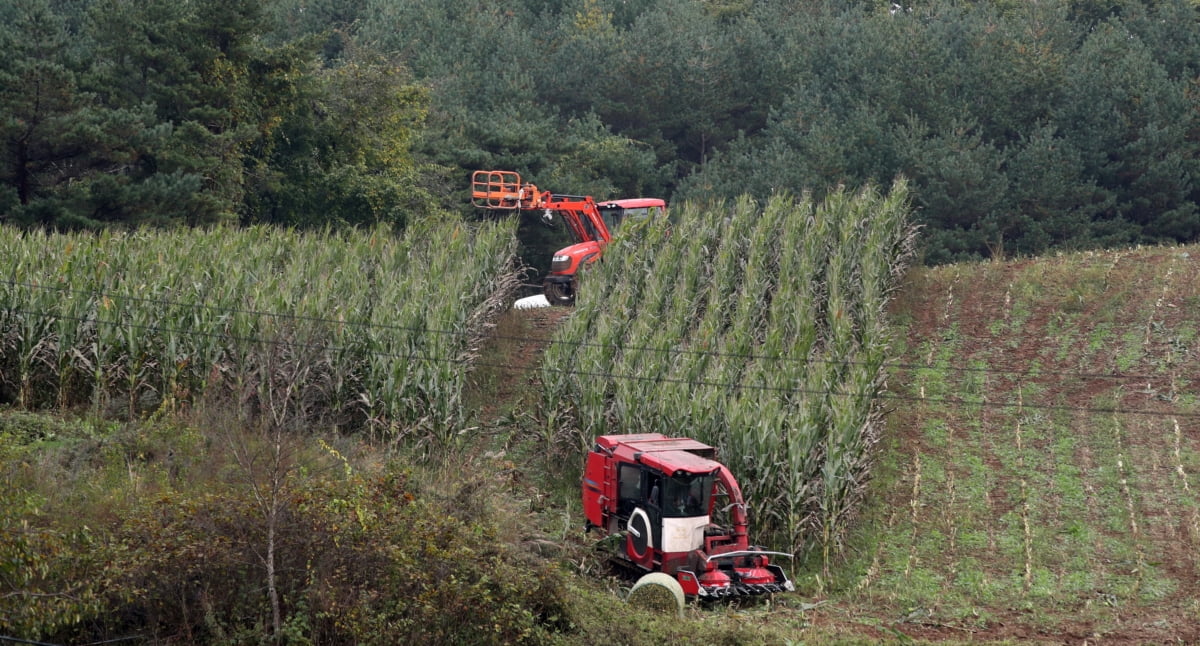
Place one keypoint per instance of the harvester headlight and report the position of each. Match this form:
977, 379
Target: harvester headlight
560, 262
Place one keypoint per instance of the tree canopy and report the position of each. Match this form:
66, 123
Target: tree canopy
167, 113
1021, 127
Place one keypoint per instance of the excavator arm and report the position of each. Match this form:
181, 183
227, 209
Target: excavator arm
503, 190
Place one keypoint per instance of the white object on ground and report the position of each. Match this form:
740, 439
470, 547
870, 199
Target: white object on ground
531, 302
658, 581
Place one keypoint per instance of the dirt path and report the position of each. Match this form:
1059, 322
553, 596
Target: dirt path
507, 378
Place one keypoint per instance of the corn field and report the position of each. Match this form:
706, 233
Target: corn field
364, 330
757, 329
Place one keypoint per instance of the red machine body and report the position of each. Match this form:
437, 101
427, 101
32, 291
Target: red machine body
662, 494
591, 224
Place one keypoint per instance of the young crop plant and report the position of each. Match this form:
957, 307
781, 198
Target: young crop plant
762, 332
363, 329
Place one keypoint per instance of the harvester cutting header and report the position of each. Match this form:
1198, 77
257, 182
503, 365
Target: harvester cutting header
591, 224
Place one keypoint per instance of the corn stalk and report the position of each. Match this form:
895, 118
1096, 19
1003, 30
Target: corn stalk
757, 328
360, 329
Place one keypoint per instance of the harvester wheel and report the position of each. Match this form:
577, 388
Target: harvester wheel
658, 592
560, 293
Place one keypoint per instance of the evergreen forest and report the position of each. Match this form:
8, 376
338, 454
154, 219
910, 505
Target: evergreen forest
1022, 127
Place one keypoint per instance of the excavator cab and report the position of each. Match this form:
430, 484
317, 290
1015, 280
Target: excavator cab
619, 212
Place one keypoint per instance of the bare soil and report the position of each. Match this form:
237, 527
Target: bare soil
1077, 350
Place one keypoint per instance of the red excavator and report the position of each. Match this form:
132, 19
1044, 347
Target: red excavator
663, 494
590, 223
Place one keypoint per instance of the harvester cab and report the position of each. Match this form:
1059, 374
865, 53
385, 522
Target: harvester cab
590, 224
663, 495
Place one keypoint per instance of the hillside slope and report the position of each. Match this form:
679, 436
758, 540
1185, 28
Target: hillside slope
1036, 482
1038, 478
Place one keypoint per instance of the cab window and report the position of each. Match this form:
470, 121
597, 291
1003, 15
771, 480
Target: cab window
629, 489
686, 496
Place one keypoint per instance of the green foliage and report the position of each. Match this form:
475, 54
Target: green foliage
333, 21
1019, 130
20, 429
51, 578
1002, 114
1140, 109
59, 566
525, 108
361, 557
364, 329
340, 155
132, 113
674, 82
759, 330
1022, 127
60, 145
